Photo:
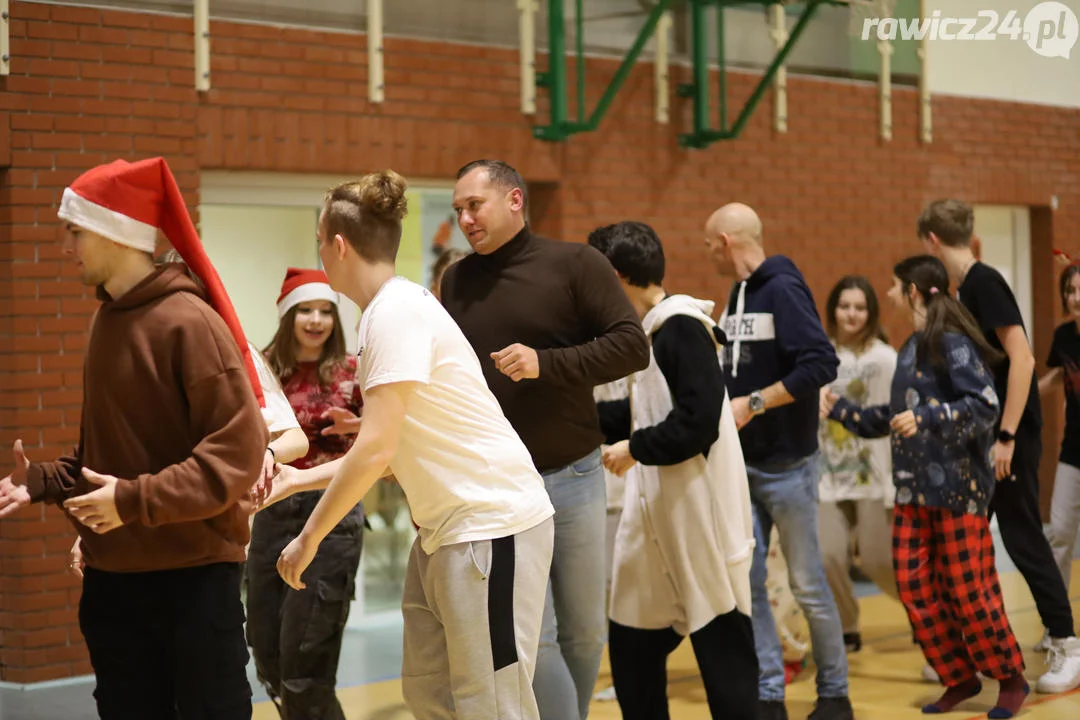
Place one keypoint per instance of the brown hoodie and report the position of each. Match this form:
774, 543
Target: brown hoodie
168, 409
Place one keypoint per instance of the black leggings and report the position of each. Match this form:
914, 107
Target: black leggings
726, 658
295, 635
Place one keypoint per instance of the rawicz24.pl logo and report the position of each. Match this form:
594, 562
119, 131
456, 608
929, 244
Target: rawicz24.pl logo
1050, 28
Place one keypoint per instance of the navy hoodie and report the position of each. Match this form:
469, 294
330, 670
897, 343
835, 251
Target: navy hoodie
774, 330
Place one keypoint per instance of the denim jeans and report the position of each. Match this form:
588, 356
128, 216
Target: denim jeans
789, 498
575, 617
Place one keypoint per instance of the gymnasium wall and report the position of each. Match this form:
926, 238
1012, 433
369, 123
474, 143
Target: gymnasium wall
1009, 69
90, 85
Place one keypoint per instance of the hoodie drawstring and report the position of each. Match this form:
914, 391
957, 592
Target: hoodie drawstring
740, 307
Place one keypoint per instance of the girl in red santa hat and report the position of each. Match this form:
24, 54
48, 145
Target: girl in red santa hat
296, 635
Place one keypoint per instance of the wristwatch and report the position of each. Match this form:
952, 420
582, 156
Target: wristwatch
757, 403
1004, 436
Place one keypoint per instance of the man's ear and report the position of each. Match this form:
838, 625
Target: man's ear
517, 200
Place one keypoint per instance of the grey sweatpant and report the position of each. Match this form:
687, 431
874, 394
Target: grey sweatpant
1065, 517
472, 627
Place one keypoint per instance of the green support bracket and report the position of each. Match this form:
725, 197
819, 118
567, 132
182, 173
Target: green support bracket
554, 80
703, 135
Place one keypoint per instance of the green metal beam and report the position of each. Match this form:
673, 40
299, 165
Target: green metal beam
554, 80
703, 135
560, 127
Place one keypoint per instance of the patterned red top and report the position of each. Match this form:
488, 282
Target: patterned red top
309, 401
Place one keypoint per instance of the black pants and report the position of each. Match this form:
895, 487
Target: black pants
1016, 503
295, 635
726, 657
167, 644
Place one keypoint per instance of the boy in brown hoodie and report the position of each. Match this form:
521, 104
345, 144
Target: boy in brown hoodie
171, 442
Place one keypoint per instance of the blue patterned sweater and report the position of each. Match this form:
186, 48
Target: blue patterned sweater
946, 464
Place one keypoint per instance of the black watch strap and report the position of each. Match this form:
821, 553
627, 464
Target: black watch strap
1005, 436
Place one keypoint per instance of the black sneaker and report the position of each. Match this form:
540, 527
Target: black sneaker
832, 708
853, 642
772, 710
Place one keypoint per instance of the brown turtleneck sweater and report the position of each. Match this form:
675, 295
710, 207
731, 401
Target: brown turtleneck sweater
169, 410
563, 300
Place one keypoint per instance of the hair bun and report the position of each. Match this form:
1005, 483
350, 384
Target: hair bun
383, 194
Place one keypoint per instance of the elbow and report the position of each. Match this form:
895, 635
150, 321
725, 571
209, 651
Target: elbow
380, 459
292, 445
640, 351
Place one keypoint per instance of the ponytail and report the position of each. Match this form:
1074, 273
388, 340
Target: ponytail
944, 313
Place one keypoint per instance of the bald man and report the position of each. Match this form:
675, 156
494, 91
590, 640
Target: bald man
776, 359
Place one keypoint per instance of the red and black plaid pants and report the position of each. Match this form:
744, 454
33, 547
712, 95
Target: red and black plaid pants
944, 564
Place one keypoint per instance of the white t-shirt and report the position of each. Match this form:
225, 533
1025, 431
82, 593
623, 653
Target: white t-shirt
464, 470
278, 413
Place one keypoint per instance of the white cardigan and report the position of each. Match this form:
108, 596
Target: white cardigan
685, 541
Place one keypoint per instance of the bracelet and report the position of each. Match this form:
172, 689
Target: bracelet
272, 453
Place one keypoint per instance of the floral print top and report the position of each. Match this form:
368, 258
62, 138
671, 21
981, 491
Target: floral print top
310, 401
946, 464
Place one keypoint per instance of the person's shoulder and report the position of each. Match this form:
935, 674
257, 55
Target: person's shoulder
1066, 331
954, 342
982, 276
188, 313
400, 307
682, 326
882, 350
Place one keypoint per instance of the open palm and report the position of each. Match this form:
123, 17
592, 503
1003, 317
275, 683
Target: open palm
14, 494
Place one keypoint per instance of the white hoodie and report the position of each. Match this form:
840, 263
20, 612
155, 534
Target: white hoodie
685, 542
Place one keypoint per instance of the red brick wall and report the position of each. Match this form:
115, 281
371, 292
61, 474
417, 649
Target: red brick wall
88, 86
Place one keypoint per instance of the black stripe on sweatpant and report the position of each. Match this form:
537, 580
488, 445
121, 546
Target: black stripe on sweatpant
501, 603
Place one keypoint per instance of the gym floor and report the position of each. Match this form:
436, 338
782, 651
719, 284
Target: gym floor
885, 675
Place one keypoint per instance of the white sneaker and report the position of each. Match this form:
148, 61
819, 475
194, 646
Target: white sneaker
605, 695
1064, 672
1044, 644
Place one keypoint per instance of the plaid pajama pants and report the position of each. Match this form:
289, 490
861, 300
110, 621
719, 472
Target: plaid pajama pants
944, 564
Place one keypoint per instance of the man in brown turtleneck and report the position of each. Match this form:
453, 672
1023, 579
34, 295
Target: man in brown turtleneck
549, 322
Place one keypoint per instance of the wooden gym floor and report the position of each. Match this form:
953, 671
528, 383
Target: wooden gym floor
884, 675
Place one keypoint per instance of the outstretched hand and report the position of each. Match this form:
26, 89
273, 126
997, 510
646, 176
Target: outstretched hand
344, 422
281, 487
14, 494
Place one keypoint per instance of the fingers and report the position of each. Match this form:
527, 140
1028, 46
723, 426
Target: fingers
98, 523
501, 355
288, 572
20, 457
82, 503
9, 506
96, 478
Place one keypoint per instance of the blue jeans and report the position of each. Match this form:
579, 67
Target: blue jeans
789, 498
570, 648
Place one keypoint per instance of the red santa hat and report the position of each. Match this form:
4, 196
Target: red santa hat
304, 286
130, 203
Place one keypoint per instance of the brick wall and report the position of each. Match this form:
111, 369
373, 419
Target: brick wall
88, 85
